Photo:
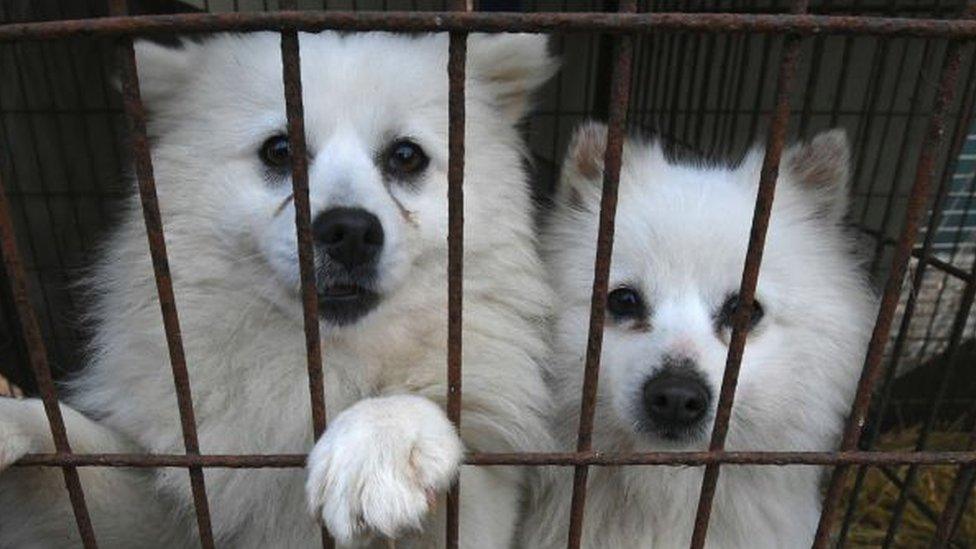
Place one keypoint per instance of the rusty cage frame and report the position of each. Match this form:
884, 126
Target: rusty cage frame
624, 26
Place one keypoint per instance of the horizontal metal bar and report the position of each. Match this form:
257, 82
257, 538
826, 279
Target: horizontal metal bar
490, 22
257, 461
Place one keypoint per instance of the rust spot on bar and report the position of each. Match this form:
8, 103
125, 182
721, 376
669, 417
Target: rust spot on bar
619, 95
775, 139
139, 142
917, 202
292, 75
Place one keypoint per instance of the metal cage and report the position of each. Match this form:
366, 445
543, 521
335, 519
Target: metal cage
709, 77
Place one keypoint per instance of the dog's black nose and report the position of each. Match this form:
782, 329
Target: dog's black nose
675, 399
351, 236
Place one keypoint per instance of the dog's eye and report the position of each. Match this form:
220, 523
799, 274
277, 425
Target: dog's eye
625, 303
727, 313
275, 152
404, 159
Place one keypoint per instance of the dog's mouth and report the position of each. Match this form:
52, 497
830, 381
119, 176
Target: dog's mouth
675, 436
343, 304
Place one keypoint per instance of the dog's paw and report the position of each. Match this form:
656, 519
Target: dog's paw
380, 465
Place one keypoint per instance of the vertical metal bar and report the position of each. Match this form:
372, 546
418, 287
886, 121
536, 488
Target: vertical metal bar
616, 122
917, 201
776, 138
139, 139
164, 283
37, 354
918, 277
457, 52
291, 70
295, 113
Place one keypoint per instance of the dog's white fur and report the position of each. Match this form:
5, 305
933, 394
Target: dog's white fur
681, 237
390, 450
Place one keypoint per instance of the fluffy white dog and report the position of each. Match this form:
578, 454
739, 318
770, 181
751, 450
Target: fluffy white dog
681, 237
376, 123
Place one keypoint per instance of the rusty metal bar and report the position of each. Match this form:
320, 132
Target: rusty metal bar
139, 141
303, 221
37, 355
924, 255
955, 338
616, 122
563, 459
295, 114
292, 76
776, 138
457, 53
617, 23
917, 202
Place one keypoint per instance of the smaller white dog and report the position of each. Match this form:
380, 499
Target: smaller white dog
681, 236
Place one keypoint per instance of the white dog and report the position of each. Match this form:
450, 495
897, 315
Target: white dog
376, 123
681, 237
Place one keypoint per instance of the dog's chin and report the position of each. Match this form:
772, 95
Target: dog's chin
689, 438
345, 304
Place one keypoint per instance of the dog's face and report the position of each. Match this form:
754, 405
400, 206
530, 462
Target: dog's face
680, 243
376, 130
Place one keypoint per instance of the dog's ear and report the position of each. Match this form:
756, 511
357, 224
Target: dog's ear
582, 173
511, 67
163, 70
821, 167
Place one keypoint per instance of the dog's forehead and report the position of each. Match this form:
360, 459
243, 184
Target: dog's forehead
685, 225
367, 76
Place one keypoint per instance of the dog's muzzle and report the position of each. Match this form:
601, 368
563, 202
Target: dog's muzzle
351, 241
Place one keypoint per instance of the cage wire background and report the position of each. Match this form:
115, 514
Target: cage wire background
905, 99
